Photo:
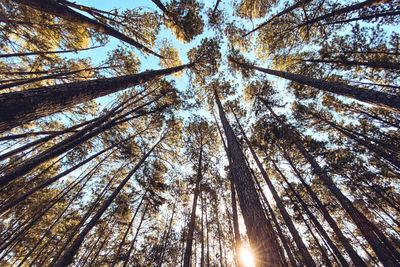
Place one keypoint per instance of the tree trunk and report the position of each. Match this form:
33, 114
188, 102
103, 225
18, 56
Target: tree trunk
346, 244
24, 196
59, 10
283, 12
235, 219
348, 9
78, 138
221, 256
379, 243
353, 135
42, 53
43, 140
371, 64
207, 236
121, 243
189, 237
202, 256
17, 108
260, 235
308, 260
315, 221
366, 17
46, 77
162, 7
69, 254
128, 255
165, 245
388, 101
268, 213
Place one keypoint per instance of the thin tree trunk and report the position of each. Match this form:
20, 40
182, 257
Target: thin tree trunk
69, 254
55, 222
202, 256
128, 255
42, 53
192, 222
380, 99
346, 244
283, 12
207, 236
386, 253
284, 240
162, 7
14, 202
372, 64
268, 213
366, 17
260, 235
353, 135
315, 221
219, 234
16, 110
362, 5
67, 144
47, 77
235, 219
43, 140
121, 243
85, 217
308, 260
64, 12
216, 7
165, 245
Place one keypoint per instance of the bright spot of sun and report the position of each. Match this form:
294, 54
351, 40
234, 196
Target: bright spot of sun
246, 257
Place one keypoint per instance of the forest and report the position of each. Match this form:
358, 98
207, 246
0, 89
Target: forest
194, 133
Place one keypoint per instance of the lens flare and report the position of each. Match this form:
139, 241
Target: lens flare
246, 257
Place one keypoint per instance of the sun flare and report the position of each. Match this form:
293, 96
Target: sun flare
246, 257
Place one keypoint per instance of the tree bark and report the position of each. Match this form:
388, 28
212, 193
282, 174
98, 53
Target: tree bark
17, 108
261, 236
308, 260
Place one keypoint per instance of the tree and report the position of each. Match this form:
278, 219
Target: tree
48, 100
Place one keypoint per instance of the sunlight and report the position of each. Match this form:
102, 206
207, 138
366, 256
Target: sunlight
246, 257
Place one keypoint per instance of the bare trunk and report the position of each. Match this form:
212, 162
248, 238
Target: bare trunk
17, 108
286, 217
380, 99
261, 236
372, 64
45, 52
189, 237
